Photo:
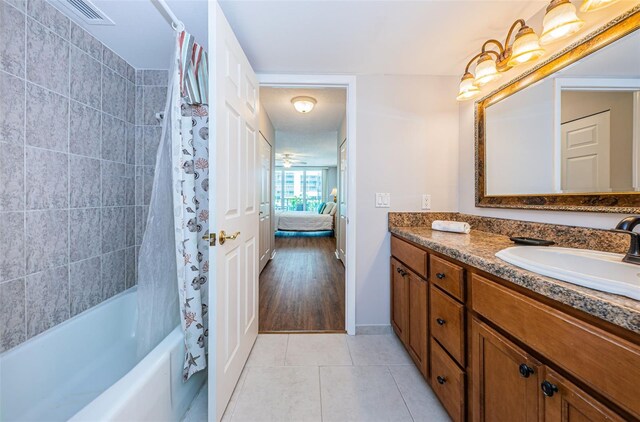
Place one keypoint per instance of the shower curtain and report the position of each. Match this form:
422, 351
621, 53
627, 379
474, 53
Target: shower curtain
173, 249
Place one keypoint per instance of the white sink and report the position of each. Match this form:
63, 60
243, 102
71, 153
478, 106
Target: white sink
597, 270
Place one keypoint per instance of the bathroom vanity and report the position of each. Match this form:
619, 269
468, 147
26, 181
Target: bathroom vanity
496, 342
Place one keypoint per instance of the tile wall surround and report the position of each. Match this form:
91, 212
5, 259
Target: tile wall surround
564, 236
77, 148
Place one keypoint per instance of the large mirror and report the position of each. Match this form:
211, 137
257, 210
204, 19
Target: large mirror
567, 136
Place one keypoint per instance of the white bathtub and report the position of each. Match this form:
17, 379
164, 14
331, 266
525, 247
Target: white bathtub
85, 369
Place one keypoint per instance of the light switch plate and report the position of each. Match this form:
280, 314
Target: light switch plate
426, 202
383, 200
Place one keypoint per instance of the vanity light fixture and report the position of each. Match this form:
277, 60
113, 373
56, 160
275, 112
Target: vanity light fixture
560, 21
303, 104
591, 5
491, 63
468, 89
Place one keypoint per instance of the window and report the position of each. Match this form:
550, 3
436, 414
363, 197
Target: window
298, 190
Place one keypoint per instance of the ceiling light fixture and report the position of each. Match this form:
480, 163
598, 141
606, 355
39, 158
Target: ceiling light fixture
303, 104
560, 21
592, 5
491, 63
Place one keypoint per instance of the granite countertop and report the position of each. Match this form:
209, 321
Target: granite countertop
478, 249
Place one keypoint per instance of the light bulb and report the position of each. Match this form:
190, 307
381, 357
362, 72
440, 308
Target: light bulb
560, 21
486, 70
468, 89
526, 47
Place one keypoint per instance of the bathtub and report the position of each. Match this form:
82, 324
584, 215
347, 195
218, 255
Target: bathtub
86, 369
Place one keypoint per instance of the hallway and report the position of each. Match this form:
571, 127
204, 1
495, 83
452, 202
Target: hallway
302, 288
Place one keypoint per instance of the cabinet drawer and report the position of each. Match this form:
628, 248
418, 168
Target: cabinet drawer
447, 323
448, 276
605, 362
447, 381
414, 257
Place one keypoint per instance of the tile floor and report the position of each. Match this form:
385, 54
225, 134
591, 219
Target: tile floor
327, 377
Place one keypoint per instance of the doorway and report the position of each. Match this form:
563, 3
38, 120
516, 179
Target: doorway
302, 286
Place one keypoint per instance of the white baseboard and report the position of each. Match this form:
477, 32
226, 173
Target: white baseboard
373, 329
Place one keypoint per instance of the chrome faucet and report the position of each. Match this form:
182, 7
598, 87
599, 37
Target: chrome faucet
626, 225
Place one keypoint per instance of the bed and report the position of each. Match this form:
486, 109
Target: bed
303, 221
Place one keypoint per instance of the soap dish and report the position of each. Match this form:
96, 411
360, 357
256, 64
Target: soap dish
531, 241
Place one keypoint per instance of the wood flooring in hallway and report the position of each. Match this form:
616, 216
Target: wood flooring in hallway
303, 287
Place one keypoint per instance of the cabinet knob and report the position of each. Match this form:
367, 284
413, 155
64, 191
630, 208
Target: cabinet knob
548, 389
399, 270
440, 275
525, 370
441, 380
440, 321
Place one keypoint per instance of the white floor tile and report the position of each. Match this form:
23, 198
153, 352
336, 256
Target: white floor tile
269, 350
228, 413
377, 350
317, 349
361, 393
420, 399
279, 394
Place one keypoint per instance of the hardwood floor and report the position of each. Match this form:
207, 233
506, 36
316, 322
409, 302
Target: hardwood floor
302, 288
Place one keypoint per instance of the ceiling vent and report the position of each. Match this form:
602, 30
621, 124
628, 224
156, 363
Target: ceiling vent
85, 10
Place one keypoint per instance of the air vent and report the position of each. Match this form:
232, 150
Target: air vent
85, 10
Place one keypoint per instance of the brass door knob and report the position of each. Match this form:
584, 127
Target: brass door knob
211, 238
224, 237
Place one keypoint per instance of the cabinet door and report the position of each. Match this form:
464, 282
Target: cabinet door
418, 323
505, 379
399, 300
563, 401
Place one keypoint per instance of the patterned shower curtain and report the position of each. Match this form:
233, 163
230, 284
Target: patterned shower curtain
190, 158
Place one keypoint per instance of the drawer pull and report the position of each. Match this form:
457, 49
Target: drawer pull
548, 389
440, 321
440, 275
441, 379
525, 370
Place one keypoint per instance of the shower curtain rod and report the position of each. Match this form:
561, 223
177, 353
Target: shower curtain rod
168, 14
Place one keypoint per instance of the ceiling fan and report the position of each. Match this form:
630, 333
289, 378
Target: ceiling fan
288, 160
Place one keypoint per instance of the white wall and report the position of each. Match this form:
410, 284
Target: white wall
331, 182
407, 130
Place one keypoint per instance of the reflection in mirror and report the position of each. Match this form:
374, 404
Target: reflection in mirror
576, 131
597, 141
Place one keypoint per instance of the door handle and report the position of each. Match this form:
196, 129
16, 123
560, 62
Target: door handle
211, 238
224, 237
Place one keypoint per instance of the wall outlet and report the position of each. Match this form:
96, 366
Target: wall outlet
426, 202
383, 200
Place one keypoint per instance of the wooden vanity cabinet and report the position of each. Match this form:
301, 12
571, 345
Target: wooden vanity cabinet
399, 300
495, 352
409, 298
565, 402
506, 379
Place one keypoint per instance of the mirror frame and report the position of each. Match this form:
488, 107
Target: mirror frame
599, 202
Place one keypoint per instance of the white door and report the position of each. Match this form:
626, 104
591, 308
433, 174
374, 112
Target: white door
265, 201
234, 94
342, 201
586, 154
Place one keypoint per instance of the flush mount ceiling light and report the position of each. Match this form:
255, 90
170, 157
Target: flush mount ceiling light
491, 63
560, 21
591, 5
303, 104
